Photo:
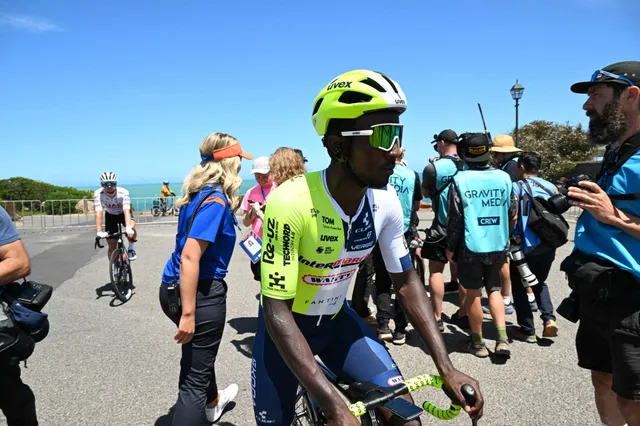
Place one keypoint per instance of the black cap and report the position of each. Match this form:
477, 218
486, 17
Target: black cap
476, 147
446, 135
629, 70
299, 152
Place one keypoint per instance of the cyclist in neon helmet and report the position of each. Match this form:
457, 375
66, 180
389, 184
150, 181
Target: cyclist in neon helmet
319, 227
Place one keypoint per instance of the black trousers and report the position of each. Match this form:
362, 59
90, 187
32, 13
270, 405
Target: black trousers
17, 401
383, 295
197, 384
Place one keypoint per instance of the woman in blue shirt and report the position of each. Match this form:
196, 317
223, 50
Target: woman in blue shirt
193, 291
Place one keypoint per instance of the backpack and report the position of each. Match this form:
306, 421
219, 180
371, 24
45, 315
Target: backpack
552, 229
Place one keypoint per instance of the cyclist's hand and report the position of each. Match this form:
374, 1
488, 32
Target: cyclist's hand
102, 234
129, 231
454, 382
186, 329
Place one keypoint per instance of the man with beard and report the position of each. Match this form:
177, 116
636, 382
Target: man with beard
604, 269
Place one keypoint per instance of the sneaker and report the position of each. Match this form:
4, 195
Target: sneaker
226, 396
441, 325
384, 333
399, 338
462, 322
502, 348
132, 254
478, 349
534, 306
518, 334
550, 329
451, 287
508, 309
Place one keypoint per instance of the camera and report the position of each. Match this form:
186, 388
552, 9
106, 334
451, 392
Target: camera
569, 308
519, 261
559, 203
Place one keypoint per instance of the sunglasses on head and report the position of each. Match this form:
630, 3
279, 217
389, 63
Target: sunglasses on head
599, 73
381, 136
109, 184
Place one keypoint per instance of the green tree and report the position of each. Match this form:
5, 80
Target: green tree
20, 188
560, 145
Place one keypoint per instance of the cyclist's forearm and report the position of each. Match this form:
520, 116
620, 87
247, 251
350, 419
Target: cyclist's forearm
99, 221
127, 217
189, 272
297, 355
419, 310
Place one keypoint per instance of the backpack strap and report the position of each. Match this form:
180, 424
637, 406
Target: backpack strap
195, 210
539, 185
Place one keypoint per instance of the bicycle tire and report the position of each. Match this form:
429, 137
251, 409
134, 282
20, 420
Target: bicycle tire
123, 292
155, 211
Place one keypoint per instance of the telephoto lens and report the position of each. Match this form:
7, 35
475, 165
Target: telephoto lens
518, 259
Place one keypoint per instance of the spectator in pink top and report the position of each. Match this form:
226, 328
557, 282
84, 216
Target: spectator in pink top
254, 201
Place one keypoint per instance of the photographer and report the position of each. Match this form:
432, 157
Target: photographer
17, 401
538, 255
603, 270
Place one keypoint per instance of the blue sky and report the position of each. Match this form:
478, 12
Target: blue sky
134, 87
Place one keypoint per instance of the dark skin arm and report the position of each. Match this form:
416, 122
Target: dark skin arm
296, 353
419, 310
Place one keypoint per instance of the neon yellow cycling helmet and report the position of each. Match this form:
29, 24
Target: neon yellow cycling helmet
353, 94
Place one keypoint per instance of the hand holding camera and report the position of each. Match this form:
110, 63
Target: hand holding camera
582, 192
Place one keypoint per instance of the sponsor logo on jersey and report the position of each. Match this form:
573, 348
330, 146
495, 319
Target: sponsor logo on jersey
275, 280
395, 380
330, 301
287, 236
329, 238
314, 212
328, 220
337, 264
363, 236
328, 279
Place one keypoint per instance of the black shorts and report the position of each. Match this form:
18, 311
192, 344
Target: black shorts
608, 340
473, 276
436, 251
111, 222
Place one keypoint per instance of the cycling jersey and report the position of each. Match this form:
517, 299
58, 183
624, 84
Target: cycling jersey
115, 205
165, 191
311, 248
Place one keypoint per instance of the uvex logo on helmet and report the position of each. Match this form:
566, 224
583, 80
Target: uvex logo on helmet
341, 85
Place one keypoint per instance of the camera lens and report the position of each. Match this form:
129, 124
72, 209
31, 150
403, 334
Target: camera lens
558, 203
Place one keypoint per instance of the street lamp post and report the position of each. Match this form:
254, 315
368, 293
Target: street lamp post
516, 95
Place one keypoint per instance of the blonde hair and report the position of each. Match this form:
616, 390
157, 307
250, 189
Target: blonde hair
223, 172
285, 163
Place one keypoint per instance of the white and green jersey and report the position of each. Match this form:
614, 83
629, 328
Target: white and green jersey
311, 249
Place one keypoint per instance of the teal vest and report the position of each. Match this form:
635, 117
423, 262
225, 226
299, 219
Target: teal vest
607, 242
486, 197
445, 170
403, 181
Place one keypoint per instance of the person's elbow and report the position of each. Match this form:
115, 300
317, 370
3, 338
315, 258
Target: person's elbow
24, 267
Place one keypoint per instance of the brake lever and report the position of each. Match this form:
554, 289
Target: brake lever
97, 243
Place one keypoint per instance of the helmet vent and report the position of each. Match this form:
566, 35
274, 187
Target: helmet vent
374, 84
395, 89
350, 97
317, 107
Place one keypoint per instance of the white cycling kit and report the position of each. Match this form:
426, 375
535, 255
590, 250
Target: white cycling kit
113, 205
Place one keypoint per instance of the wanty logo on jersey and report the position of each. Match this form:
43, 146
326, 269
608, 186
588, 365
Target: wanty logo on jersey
328, 279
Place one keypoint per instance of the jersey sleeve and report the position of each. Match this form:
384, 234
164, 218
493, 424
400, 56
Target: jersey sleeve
8, 232
392, 242
208, 219
283, 230
97, 203
126, 201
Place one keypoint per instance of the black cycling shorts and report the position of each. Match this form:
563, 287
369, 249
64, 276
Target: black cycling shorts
111, 222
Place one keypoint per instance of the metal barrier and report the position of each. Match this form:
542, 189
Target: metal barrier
79, 214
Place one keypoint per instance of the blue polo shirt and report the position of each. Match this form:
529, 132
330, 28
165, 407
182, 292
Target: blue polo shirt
213, 223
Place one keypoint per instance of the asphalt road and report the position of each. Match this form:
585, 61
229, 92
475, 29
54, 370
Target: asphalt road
104, 363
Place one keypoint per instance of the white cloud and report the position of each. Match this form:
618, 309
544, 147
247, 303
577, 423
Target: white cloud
27, 23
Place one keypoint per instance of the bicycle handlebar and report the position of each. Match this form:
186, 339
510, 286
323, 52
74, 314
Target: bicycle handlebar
97, 241
410, 385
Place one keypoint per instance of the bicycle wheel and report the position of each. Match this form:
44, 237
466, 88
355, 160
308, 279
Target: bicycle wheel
155, 211
308, 414
121, 276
